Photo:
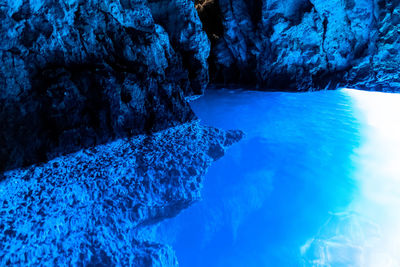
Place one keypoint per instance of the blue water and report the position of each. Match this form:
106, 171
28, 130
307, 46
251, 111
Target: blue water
297, 191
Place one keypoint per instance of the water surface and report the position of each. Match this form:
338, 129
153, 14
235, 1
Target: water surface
316, 182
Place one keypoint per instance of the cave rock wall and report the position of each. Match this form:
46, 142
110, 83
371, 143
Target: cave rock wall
79, 73
304, 44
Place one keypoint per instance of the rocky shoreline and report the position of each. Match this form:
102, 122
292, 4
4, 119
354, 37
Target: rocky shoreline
89, 208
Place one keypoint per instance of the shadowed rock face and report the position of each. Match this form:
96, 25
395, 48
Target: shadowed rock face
181, 21
305, 44
79, 73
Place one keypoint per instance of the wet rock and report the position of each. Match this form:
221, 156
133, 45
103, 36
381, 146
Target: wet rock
94, 206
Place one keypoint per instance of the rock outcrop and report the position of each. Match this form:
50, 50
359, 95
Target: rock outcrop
303, 44
93, 75
90, 208
79, 73
185, 30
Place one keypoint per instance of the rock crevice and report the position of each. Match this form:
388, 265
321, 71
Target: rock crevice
304, 44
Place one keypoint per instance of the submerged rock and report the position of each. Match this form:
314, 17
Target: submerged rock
89, 208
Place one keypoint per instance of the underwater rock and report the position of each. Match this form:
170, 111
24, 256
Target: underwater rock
90, 207
79, 73
303, 44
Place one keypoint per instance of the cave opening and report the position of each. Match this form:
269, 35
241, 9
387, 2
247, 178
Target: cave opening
210, 15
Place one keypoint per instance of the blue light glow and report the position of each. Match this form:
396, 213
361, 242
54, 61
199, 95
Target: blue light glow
367, 232
315, 183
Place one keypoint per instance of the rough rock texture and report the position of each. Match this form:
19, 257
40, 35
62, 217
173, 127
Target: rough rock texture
185, 29
304, 44
89, 208
79, 73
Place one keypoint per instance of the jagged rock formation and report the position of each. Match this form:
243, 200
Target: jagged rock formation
89, 208
185, 30
79, 73
303, 44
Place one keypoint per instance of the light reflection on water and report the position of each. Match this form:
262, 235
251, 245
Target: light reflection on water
316, 182
367, 233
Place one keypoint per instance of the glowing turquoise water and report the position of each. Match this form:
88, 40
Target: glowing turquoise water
316, 182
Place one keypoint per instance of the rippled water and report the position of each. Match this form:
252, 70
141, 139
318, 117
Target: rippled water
316, 182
